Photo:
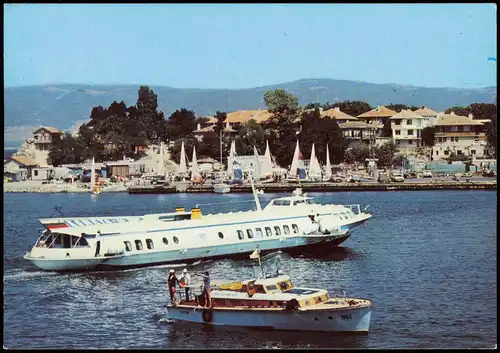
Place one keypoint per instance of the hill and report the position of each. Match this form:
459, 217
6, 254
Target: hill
67, 105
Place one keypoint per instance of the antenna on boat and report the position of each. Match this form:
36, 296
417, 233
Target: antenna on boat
255, 195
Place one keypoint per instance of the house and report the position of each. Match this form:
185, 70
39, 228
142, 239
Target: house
124, 168
378, 116
359, 131
240, 117
19, 167
41, 173
429, 115
407, 129
338, 115
200, 132
45, 136
460, 135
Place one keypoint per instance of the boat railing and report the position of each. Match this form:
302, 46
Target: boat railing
193, 292
356, 209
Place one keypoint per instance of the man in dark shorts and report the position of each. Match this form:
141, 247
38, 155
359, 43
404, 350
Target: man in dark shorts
171, 282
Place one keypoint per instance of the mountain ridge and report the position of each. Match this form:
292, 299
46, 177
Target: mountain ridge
64, 105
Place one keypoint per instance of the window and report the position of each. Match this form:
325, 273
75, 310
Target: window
286, 229
272, 287
456, 139
269, 232
408, 121
165, 241
258, 232
176, 240
410, 132
36, 172
437, 153
397, 122
398, 132
398, 142
459, 152
149, 244
128, 246
221, 235
410, 142
138, 245
277, 230
446, 152
472, 151
295, 228
240, 235
249, 233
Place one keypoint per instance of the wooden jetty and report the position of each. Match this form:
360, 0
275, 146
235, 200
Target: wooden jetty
326, 187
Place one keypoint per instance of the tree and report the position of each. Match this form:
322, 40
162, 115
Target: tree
483, 110
321, 131
181, 123
219, 125
385, 154
353, 108
66, 150
251, 134
458, 111
357, 153
387, 129
428, 135
399, 107
153, 121
491, 134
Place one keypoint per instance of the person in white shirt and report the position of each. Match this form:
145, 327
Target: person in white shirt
186, 280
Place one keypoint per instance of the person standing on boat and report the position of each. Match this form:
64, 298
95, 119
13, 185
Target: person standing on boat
172, 281
206, 288
186, 279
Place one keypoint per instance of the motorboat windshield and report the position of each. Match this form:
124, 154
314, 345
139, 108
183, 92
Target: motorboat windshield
56, 240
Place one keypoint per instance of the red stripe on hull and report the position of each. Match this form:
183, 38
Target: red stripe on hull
54, 226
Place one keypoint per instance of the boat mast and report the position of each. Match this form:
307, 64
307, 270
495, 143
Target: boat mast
255, 196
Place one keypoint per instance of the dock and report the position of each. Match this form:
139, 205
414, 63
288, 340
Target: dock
325, 187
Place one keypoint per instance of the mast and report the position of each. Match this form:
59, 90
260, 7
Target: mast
255, 195
183, 168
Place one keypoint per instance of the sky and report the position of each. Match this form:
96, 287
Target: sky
234, 46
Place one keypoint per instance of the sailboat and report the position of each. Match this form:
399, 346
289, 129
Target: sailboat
256, 164
183, 166
328, 168
297, 169
314, 167
234, 170
267, 164
95, 189
195, 173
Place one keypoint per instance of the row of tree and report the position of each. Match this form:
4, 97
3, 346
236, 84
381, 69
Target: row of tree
120, 131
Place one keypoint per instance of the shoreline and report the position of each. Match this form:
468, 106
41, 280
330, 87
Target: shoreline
37, 187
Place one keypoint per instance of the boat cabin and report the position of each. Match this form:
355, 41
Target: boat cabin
269, 285
55, 240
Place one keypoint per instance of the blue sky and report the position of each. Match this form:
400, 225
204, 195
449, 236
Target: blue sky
248, 45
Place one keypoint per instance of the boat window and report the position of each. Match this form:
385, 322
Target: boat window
281, 203
221, 235
285, 285
149, 243
286, 229
138, 245
269, 232
176, 240
165, 241
277, 230
272, 287
345, 215
295, 228
240, 235
249, 233
258, 232
259, 288
79, 242
128, 246
299, 201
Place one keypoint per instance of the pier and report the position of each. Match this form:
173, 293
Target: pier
326, 187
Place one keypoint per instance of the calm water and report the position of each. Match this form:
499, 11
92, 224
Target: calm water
427, 259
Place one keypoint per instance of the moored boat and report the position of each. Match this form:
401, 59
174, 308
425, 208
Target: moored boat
83, 243
273, 302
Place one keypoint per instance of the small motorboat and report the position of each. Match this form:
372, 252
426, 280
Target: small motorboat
222, 188
273, 302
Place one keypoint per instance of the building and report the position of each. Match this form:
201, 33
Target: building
460, 135
19, 168
377, 116
338, 115
407, 129
45, 136
240, 117
41, 173
429, 115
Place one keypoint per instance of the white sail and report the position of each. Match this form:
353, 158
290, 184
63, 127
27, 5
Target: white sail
92, 175
194, 167
328, 165
267, 164
183, 167
257, 168
230, 160
314, 167
295, 162
161, 161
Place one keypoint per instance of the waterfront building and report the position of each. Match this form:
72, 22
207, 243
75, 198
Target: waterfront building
19, 168
429, 115
338, 115
45, 136
377, 117
460, 135
240, 117
407, 129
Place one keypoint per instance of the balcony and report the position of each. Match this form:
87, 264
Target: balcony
402, 137
43, 141
460, 134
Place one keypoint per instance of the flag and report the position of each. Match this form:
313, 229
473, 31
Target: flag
255, 254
